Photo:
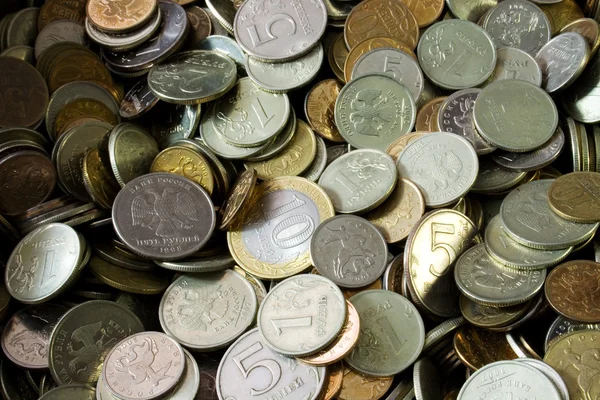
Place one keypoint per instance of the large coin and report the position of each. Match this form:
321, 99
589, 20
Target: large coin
84, 336
302, 315
444, 166
123, 41
163, 216
250, 368
574, 197
374, 110
392, 333
561, 71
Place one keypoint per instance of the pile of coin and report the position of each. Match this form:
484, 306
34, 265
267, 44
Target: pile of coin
300, 199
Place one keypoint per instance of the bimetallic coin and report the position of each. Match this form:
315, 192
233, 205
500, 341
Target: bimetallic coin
356, 386
392, 333
513, 63
201, 76
163, 216
562, 60
529, 220
59, 31
185, 162
71, 392
515, 115
319, 108
131, 151
444, 166
235, 377
563, 326
456, 54
574, 197
302, 315
374, 110
359, 181
124, 19
502, 286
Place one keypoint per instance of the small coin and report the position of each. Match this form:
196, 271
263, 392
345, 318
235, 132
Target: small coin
79, 109
138, 100
22, 29
400, 144
491, 317
225, 46
104, 17
99, 182
336, 55
427, 115
224, 12
478, 347
71, 392
335, 152
578, 100
204, 264
396, 328
319, 108
573, 197
563, 326
513, 63
163, 357
316, 168
185, 162
356, 386
444, 166
54, 10
557, 71
335, 375
561, 13
426, 13
550, 373
163, 216
173, 122
239, 197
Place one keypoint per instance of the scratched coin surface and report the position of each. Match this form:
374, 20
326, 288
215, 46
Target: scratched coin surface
349, 250
144, 365
574, 196
392, 333
250, 367
302, 315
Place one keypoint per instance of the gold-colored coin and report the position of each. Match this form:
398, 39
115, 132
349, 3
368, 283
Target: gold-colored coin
335, 376
589, 29
399, 144
239, 197
426, 12
575, 197
427, 115
129, 280
293, 160
82, 108
113, 17
561, 14
478, 347
319, 108
54, 10
370, 44
336, 56
99, 181
272, 240
77, 67
356, 386
575, 357
185, 162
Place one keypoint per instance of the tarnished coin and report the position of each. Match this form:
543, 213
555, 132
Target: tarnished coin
163, 216
513, 63
200, 25
138, 100
529, 220
302, 25
430, 272
238, 372
131, 151
486, 281
80, 110
478, 347
562, 60
560, 13
356, 386
334, 383
185, 162
59, 31
57, 251
201, 76
374, 110
359, 181
173, 122
349, 250
574, 197
515, 115
563, 326
84, 336
518, 23
71, 392
162, 357
121, 18
443, 54
53, 10
392, 333
444, 166
124, 41
570, 290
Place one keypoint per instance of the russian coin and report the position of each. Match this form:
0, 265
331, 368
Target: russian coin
470, 10
478, 347
201, 25
562, 326
442, 54
494, 179
374, 110
201, 76
205, 264
131, 151
255, 33
392, 333
562, 60
529, 220
84, 336
513, 63
574, 197
163, 357
163, 216
316, 168
550, 373
400, 144
428, 271
105, 18
444, 166
250, 352
224, 12
319, 108
428, 114
486, 281
426, 13
225, 46
208, 311
124, 41
561, 13
455, 115
528, 119
71, 392
54, 10
356, 386
335, 377
426, 380
80, 111
359, 181
579, 100
491, 317
238, 198
22, 30
527, 29
173, 122
185, 162
59, 31
588, 28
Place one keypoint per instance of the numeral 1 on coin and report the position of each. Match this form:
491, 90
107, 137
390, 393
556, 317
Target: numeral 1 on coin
282, 323
48, 272
391, 335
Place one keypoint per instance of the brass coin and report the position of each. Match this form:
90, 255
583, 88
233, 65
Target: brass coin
575, 197
399, 144
79, 109
114, 17
54, 10
589, 29
336, 56
185, 162
560, 14
426, 12
239, 198
99, 181
335, 376
319, 108
128, 280
78, 67
478, 347
427, 115
356, 386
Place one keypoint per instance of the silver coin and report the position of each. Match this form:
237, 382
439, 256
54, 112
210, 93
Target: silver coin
511, 253
124, 41
349, 250
226, 46
513, 63
44, 263
102, 392
444, 166
579, 101
71, 392
163, 216
562, 326
562, 60
597, 249
205, 264
339, 9
289, 75
247, 116
208, 311
59, 31
485, 281
532, 160
521, 381
224, 12
249, 368
217, 28
528, 219
313, 173
190, 382
550, 373
518, 23
302, 315
394, 63
494, 179
300, 24
456, 116
138, 100
427, 380
173, 122
281, 141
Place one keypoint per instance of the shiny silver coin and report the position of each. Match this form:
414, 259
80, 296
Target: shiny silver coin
226, 46
550, 373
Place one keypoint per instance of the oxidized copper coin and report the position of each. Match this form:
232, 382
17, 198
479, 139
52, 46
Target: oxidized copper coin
576, 196
54, 10
27, 178
23, 94
120, 16
573, 290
